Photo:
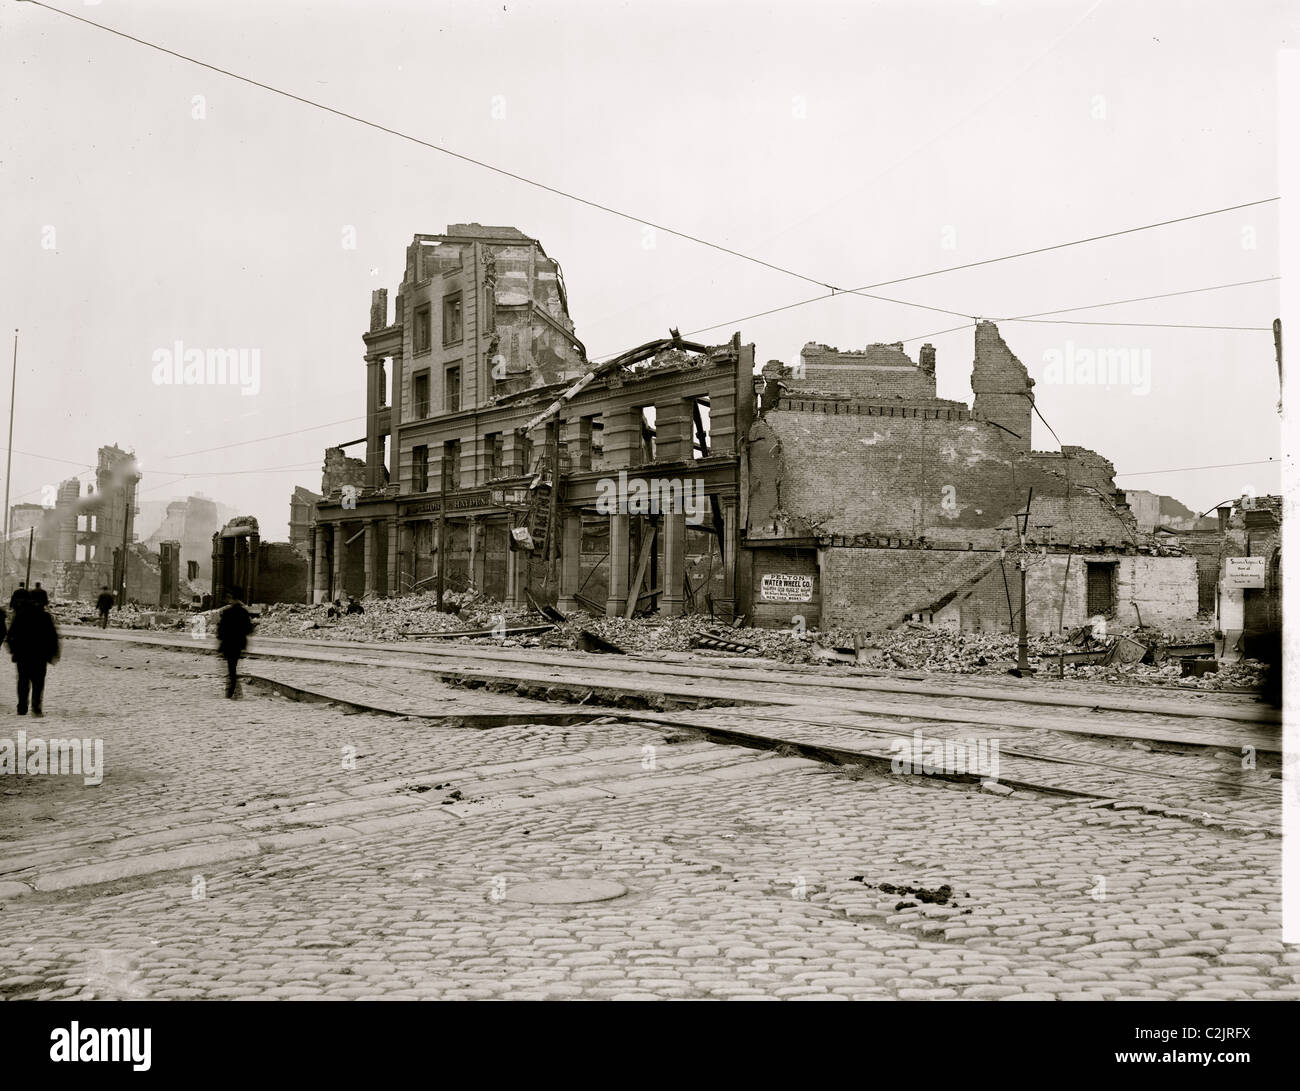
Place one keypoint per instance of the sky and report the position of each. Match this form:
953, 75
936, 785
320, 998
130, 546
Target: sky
146, 201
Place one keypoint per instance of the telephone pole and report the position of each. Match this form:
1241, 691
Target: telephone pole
1277, 348
9, 461
442, 525
1022, 668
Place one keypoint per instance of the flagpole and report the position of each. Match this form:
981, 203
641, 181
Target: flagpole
9, 461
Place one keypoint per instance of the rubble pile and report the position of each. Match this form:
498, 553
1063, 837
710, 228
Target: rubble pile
131, 616
408, 616
915, 646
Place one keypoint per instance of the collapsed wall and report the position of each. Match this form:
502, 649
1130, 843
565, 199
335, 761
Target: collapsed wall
903, 502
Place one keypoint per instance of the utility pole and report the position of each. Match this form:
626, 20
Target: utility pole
128, 503
31, 538
1022, 668
13, 387
1277, 348
442, 525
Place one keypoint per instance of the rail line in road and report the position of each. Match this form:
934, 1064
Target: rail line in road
1043, 692
1044, 749
846, 740
668, 685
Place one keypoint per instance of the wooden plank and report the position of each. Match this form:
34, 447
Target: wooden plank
642, 564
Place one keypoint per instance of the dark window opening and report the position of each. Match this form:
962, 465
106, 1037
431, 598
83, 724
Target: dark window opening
701, 429
422, 339
420, 469
496, 452
420, 394
1101, 589
451, 319
451, 390
648, 433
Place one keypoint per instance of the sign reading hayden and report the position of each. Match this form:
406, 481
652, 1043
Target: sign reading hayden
1242, 572
778, 587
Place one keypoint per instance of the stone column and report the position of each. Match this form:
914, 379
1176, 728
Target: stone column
477, 553
371, 543
311, 565
674, 428
374, 440
729, 544
516, 566
619, 533
570, 561
671, 599
392, 577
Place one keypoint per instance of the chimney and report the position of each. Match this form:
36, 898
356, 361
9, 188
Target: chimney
378, 309
927, 359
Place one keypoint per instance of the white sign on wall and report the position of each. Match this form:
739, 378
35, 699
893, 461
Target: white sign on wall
778, 587
1243, 572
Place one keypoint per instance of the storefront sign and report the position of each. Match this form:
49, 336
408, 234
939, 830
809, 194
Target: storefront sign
1239, 572
782, 588
462, 501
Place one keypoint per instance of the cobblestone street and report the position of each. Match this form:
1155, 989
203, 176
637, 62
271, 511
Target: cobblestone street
266, 848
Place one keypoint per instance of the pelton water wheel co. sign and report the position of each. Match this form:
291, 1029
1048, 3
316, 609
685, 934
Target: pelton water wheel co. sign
780, 587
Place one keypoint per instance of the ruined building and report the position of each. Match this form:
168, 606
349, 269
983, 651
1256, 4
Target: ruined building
302, 514
506, 447
871, 500
191, 522
840, 492
95, 535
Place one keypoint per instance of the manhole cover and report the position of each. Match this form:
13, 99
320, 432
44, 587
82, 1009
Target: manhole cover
563, 891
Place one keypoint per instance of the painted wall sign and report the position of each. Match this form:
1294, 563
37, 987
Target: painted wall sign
778, 587
1246, 572
455, 502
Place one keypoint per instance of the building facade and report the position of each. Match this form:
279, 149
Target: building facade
837, 493
498, 454
872, 500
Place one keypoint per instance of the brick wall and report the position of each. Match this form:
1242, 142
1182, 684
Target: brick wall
820, 469
859, 586
785, 562
878, 371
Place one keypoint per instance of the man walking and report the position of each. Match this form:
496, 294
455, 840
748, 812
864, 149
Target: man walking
20, 594
233, 628
34, 644
40, 596
104, 604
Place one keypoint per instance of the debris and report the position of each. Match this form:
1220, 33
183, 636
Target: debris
1126, 650
587, 641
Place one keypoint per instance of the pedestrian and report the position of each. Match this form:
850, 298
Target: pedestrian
19, 595
104, 604
40, 596
34, 644
354, 607
233, 628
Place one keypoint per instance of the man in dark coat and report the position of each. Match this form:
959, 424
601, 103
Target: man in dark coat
40, 596
104, 604
20, 594
233, 628
34, 644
